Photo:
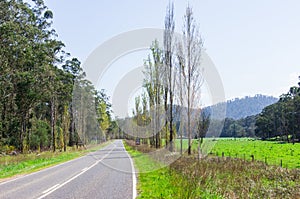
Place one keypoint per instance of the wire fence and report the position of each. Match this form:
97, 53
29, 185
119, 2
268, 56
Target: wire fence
281, 162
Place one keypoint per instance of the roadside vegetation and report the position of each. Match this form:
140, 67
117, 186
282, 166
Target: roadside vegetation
27, 163
152, 182
213, 177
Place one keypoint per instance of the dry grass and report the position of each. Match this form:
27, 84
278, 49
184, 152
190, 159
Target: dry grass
235, 178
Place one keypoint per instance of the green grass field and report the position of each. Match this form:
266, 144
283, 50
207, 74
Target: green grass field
270, 152
273, 153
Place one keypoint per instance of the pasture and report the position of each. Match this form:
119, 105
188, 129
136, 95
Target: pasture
282, 154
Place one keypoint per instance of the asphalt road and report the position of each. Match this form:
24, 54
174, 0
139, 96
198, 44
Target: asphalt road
107, 173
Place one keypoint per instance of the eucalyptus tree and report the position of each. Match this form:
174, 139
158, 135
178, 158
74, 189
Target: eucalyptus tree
104, 117
73, 71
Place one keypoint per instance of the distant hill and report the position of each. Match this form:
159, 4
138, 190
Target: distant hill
242, 107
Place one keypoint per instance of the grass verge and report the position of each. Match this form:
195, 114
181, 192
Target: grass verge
151, 184
214, 177
27, 163
161, 183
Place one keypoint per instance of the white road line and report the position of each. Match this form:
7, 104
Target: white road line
84, 169
76, 176
53, 187
134, 193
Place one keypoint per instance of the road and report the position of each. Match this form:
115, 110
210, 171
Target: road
107, 173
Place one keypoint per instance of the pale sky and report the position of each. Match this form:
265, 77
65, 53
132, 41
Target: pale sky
254, 45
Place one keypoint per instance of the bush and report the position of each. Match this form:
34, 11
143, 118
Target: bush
38, 138
6, 149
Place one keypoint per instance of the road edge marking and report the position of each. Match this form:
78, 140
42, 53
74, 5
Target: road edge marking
134, 178
53, 187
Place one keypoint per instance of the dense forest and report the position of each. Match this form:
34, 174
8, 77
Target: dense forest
42, 88
282, 119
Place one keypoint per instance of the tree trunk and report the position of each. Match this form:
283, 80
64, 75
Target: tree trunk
200, 141
23, 133
166, 111
171, 121
53, 123
72, 127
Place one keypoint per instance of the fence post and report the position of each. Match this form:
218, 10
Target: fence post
266, 161
252, 156
222, 154
281, 163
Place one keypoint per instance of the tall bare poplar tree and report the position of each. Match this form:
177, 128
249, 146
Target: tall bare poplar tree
189, 51
169, 77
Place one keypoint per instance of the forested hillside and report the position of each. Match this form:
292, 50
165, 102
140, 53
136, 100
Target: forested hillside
243, 107
240, 116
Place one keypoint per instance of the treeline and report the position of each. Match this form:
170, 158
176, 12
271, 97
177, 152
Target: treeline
45, 100
244, 127
282, 119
